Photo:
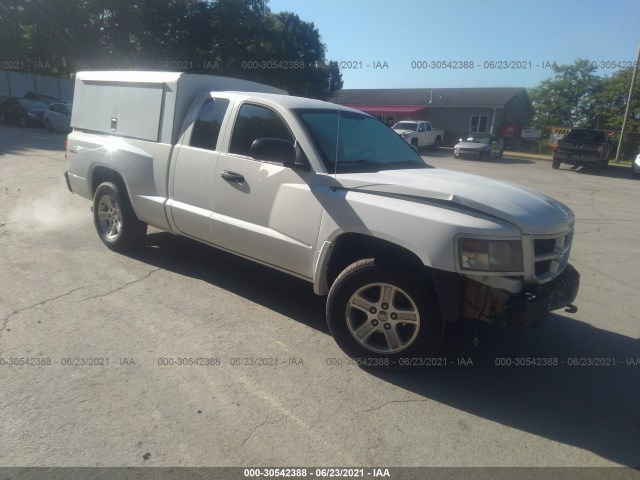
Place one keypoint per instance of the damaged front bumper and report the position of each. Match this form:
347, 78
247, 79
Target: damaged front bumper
524, 310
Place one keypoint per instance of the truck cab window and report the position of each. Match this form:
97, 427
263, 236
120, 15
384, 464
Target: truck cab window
207, 126
255, 122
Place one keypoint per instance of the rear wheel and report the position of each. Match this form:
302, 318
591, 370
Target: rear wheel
436, 144
114, 218
383, 317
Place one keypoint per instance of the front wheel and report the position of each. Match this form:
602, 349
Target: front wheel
47, 125
382, 316
114, 219
555, 164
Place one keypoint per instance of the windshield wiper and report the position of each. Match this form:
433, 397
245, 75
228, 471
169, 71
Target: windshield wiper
365, 161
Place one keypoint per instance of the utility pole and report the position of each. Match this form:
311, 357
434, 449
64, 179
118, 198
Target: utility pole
626, 110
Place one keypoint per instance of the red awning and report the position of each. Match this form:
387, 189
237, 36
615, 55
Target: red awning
388, 108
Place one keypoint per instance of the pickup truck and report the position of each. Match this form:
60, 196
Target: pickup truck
322, 192
420, 134
582, 146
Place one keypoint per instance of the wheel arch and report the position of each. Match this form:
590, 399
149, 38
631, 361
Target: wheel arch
350, 247
100, 174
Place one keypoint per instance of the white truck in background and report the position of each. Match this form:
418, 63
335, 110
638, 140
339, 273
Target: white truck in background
419, 133
322, 192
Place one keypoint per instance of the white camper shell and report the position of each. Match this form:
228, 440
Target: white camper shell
145, 105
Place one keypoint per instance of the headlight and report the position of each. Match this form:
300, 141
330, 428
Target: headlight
32, 115
490, 255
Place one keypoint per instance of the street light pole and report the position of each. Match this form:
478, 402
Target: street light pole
626, 110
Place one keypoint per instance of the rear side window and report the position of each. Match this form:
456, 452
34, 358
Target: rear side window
207, 127
256, 122
586, 135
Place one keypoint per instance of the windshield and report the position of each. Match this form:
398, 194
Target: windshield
478, 139
405, 126
362, 144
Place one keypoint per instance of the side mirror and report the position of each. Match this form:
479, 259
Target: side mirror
274, 150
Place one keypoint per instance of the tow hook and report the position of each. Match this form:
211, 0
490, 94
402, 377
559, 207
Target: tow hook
571, 308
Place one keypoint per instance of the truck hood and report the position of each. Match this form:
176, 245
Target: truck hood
531, 211
402, 131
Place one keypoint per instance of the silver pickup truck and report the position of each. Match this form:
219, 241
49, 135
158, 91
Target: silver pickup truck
322, 192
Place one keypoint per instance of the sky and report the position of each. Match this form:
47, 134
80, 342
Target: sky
432, 43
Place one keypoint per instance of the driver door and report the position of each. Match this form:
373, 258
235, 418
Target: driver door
265, 210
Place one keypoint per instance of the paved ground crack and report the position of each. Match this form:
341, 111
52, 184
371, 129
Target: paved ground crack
255, 429
121, 287
6, 319
395, 401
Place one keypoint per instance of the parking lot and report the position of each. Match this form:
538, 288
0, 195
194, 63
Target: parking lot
102, 335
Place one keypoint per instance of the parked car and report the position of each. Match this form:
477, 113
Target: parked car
635, 167
48, 99
582, 146
22, 111
57, 116
479, 145
420, 134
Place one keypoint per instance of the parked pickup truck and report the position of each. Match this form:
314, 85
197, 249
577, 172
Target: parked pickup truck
420, 134
322, 192
582, 146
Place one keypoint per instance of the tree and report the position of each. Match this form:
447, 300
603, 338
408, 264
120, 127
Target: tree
611, 103
567, 99
240, 38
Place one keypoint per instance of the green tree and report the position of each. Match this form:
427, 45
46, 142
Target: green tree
567, 99
240, 38
610, 106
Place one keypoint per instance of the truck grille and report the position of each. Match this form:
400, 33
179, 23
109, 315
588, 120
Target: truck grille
550, 254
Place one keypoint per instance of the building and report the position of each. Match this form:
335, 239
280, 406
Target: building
458, 111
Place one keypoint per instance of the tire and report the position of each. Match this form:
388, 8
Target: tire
47, 125
24, 122
500, 154
414, 143
364, 313
555, 164
114, 219
436, 144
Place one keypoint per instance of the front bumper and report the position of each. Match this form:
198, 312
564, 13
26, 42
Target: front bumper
533, 306
469, 153
524, 310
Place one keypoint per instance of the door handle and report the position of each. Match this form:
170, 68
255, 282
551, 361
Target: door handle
232, 176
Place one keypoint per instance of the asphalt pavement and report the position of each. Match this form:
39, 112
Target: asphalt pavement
181, 355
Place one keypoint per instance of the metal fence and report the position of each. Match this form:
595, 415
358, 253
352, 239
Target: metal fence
16, 84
